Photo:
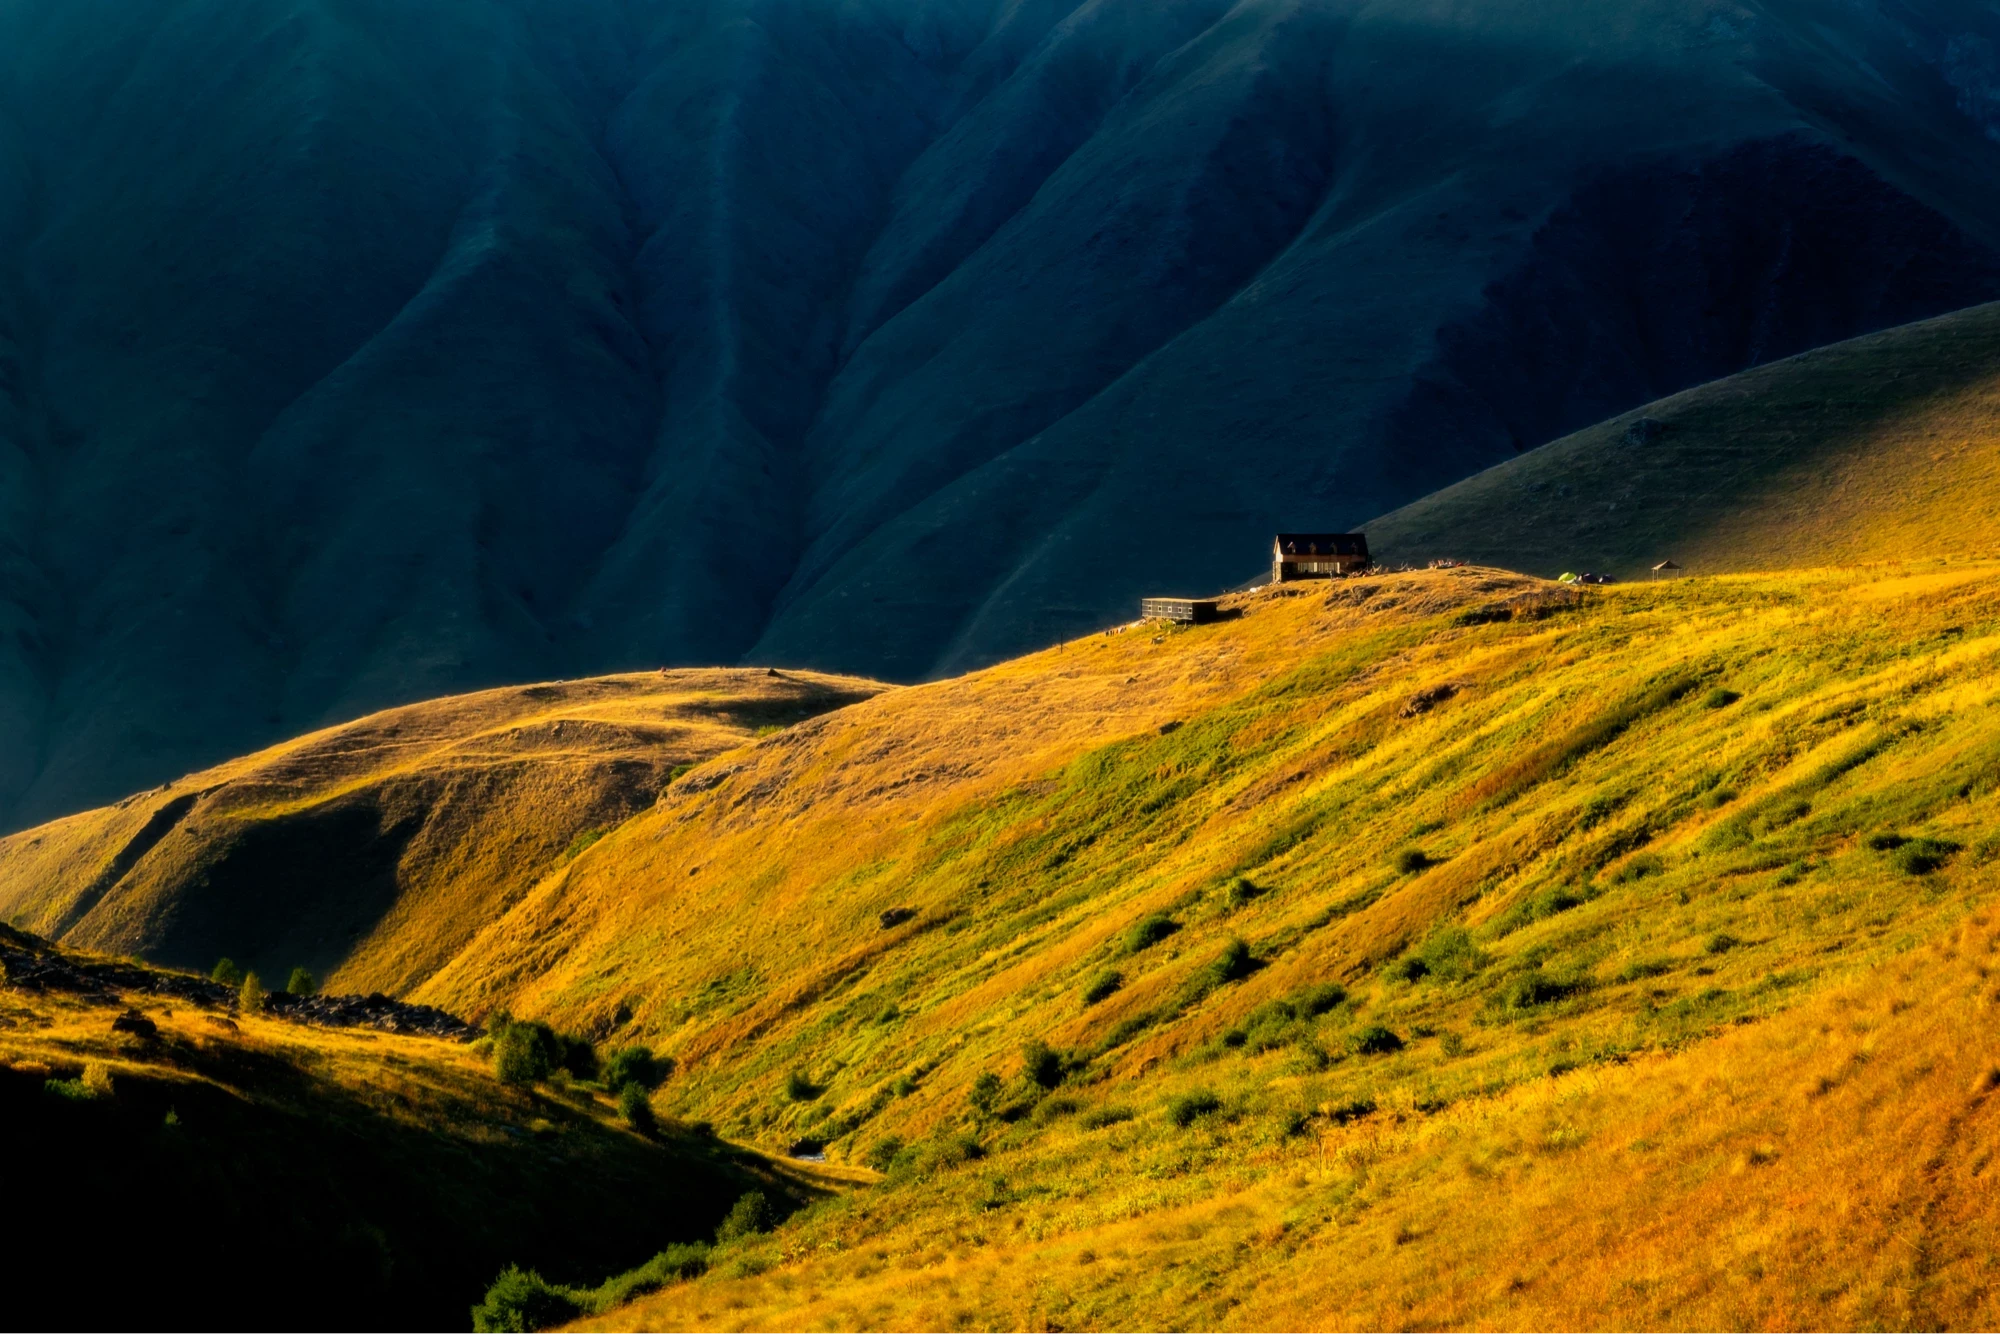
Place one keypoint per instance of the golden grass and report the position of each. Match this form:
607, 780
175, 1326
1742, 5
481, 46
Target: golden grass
1686, 892
1688, 1038
394, 837
1883, 447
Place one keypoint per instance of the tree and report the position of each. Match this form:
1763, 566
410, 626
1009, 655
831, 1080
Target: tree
226, 972
1041, 1065
750, 1214
302, 983
636, 1108
637, 1065
250, 998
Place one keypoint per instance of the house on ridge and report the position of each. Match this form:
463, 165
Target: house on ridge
1317, 555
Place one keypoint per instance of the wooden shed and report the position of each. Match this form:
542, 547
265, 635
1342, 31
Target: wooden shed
1187, 611
1317, 555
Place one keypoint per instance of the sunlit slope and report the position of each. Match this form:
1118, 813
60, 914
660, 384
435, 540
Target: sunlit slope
1031, 814
1830, 1168
1650, 910
1881, 448
376, 849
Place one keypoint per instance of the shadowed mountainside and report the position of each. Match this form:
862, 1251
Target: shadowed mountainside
352, 1180
353, 353
1882, 448
373, 852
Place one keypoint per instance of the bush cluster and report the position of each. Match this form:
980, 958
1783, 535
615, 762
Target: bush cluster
1102, 986
1149, 931
637, 1065
750, 1215
1041, 1065
1234, 963
528, 1052
1449, 954
636, 1107
1188, 1108
521, 1299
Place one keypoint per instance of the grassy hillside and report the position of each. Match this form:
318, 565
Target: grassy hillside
213, 1169
1882, 448
1445, 948
1663, 921
372, 852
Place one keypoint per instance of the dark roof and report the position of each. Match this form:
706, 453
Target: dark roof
1323, 544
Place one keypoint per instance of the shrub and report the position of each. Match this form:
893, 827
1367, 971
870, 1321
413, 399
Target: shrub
1103, 985
1053, 1109
1451, 954
97, 1078
1234, 963
1041, 1065
1451, 1044
637, 1065
985, 1093
1645, 864
1557, 900
673, 1265
1721, 943
750, 1215
882, 1153
800, 1088
1375, 1040
1719, 698
1921, 856
1149, 931
521, 1299
301, 983
1409, 968
1411, 860
1241, 891
1886, 842
1318, 1000
1185, 1110
636, 1107
1099, 1117
1235, 1037
1641, 969
1536, 988
226, 972
953, 1151
250, 996
75, 1090
1351, 1110
518, 1058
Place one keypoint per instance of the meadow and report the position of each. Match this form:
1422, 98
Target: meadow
1446, 948
1431, 949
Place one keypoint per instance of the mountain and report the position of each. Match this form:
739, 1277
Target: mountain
1880, 449
355, 353
373, 852
1445, 948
